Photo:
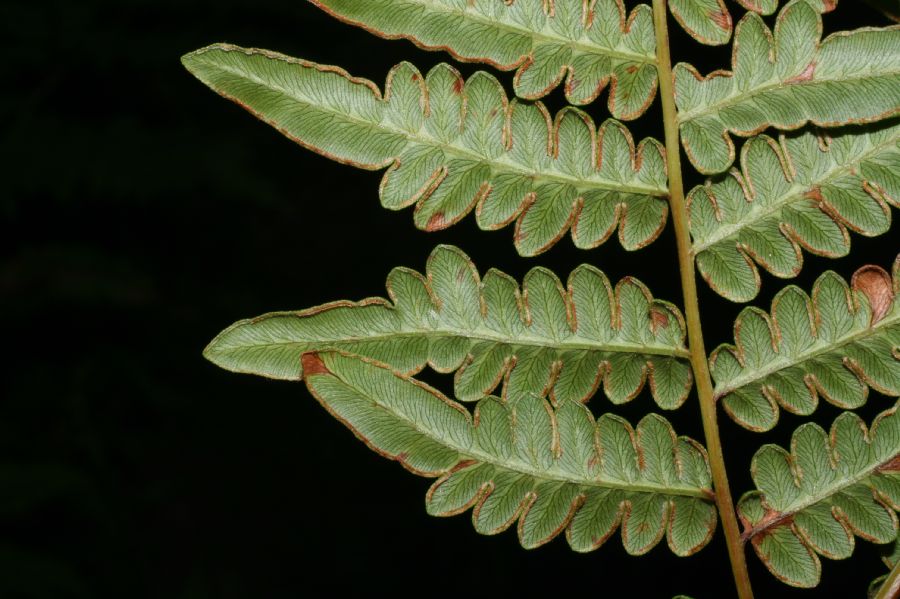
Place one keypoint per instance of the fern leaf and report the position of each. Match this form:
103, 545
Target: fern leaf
550, 469
812, 500
766, 7
542, 339
786, 81
453, 146
588, 44
803, 191
707, 21
835, 346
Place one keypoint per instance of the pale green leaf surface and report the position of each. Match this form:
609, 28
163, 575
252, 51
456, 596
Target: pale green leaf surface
454, 146
550, 469
542, 338
829, 488
786, 81
834, 345
707, 21
763, 7
587, 45
805, 191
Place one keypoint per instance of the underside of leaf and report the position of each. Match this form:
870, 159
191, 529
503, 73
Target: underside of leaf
453, 146
813, 500
786, 80
804, 191
544, 338
707, 21
765, 7
589, 45
835, 345
549, 469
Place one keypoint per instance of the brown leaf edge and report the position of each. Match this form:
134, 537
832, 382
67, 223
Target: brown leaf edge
871, 282
756, 532
525, 61
316, 367
789, 126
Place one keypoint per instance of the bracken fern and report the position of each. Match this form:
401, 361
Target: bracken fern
801, 146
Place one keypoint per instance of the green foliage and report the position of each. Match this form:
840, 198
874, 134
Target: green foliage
535, 454
786, 80
705, 20
812, 500
454, 146
834, 345
805, 190
541, 339
587, 45
552, 469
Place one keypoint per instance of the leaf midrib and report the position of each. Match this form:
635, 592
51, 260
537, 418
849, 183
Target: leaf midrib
524, 468
795, 194
494, 164
526, 342
811, 500
809, 355
716, 107
538, 36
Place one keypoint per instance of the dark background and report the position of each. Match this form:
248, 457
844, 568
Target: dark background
141, 214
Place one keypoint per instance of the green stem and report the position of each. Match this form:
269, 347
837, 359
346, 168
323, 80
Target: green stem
890, 588
699, 363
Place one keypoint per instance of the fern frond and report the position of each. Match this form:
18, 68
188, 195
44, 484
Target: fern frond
803, 191
588, 44
454, 146
786, 81
521, 459
543, 339
829, 488
835, 346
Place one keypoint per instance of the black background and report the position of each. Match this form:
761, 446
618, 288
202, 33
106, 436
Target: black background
141, 214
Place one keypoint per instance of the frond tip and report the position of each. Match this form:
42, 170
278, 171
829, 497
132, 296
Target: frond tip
454, 146
830, 487
835, 345
550, 469
541, 339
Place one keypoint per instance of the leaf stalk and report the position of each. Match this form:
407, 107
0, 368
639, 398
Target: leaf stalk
724, 502
890, 588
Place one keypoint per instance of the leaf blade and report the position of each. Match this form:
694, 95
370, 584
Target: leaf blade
452, 146
429, 434
834, 345
786, 80
588, 46
488, 330
804, 506
804, 191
